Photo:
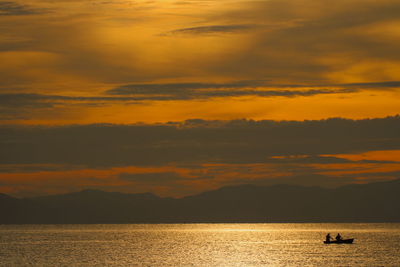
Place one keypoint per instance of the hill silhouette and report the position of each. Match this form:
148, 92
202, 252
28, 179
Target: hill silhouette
375, 202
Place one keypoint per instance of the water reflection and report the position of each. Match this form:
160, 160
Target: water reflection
198, 245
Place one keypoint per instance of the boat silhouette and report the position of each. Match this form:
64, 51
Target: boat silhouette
341, 241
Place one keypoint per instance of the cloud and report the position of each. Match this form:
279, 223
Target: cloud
184, 91
8, 8
308, 179
318, 43
42, 100
307, 159
176, 91
187, 157
179, 87
290, 49
387, 84
212, 29
155, 178
310, 42
14, 105
181, 91
29, 168
239, 141
21, 106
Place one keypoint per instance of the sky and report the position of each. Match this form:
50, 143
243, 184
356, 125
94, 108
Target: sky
179, 97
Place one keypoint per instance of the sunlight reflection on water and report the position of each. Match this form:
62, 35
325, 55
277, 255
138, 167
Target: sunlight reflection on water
198, 245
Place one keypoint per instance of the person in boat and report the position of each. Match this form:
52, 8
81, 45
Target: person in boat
328, 237
338, 237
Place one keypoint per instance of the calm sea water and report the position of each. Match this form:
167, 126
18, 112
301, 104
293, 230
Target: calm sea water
198, 245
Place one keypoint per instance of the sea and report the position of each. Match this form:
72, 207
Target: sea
286, 244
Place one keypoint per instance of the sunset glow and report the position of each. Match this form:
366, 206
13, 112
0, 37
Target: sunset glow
200, 94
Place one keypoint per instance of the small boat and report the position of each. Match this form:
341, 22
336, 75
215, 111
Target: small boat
342, 241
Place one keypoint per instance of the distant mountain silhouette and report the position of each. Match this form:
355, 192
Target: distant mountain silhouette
375, 202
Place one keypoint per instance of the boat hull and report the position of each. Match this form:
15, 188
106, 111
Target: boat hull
344, 241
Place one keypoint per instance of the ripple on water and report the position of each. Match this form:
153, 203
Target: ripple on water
198, 245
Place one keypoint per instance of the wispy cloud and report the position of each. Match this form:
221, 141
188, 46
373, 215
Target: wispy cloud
9, 8
43, 100
386, 84
180, 91
213, 29
12, 104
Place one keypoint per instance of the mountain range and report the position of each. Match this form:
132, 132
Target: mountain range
374, 202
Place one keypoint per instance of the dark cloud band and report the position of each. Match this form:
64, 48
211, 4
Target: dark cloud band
176, 91
196, 141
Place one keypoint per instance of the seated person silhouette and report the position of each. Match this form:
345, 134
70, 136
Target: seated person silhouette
328, 237
338, 237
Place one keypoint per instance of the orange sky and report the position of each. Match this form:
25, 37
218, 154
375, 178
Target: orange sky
85, 49
147, 62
